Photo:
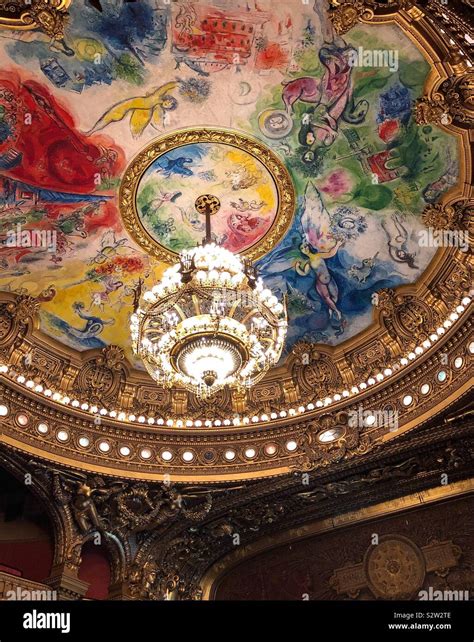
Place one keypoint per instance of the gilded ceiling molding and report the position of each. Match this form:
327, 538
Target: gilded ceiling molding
219, 137
50, 16
162, 537
71, 436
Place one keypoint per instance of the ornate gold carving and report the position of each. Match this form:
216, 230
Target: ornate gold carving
408, 319
315, 372
458, 94
369, 359
136, 169
99, 379
346, 15
458, 277
48, 15
348, 443
395, 568
452, 102
448, 217
266, 395
432, 112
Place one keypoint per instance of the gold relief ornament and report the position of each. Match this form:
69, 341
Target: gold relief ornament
224, 138
432, 112
345, 15
395, 568
48, 15
458, 93
408, 319
314, 372
329, 440
448, 217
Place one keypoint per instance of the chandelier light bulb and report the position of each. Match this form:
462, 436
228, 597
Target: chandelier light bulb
209, 323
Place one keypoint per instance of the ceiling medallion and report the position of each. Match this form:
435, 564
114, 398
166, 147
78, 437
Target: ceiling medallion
210, 322
160, 187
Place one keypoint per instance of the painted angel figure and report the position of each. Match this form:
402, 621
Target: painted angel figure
310, 242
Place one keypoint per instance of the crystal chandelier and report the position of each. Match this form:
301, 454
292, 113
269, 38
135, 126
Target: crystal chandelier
210, 322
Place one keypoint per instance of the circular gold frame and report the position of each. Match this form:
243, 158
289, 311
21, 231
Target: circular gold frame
254, 147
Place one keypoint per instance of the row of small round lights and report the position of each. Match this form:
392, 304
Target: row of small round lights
247, 421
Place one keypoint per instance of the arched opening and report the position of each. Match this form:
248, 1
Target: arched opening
26, 533
95, 569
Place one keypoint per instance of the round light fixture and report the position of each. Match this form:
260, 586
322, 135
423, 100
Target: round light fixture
210, 322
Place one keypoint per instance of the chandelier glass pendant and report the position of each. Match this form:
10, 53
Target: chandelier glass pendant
210, 322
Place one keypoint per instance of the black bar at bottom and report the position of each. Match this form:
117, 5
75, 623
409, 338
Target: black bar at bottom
237, 621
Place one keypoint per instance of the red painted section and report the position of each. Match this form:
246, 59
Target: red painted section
33, 559
55, 154
95, 569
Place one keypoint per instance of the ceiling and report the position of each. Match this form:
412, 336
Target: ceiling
76, 112
335, 171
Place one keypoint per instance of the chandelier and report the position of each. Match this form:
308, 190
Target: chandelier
210, 322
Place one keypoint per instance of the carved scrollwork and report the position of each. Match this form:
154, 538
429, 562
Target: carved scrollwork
99, 379
408, 319
448, 217
370, 359
345, 441
458, 94
50, 17
432, 112
345, 15
314, 372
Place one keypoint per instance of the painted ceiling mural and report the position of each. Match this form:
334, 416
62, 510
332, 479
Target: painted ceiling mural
74, 113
